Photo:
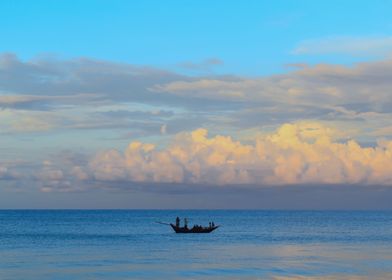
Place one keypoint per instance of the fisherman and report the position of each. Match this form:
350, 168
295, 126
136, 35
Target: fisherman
177, 222
186, 223
212, 224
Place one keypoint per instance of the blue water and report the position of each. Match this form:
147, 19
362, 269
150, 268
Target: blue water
250, 245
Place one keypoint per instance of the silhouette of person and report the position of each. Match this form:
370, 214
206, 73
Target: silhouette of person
212, 224
186, 223
177, 222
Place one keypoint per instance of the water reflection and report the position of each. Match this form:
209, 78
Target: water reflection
277, 262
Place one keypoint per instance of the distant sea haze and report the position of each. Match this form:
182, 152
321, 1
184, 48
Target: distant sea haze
129, 244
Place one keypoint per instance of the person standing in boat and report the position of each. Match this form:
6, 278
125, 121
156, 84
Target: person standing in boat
186, 223
177, 222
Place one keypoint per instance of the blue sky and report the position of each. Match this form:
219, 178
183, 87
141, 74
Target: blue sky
251, 38
136, 104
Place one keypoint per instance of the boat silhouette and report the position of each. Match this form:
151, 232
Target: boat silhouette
194, 229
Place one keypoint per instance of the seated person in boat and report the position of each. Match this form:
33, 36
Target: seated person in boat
198, 227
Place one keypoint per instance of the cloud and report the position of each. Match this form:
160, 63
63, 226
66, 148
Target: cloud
9, 170
51, 84
86, 93
65, 172
22, 121
3, 171
24, 84
323, 92
367, 84
347, 45
54, 77
299, 153
136, 114
146, 122
43, 103
384, 132
135, 102
44, 93
259, 133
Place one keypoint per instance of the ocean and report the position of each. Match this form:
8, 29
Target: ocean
129, 244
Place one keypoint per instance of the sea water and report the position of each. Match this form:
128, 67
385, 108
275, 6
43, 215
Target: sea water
129, 244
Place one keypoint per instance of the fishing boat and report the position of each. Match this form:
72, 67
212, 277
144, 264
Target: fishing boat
185, 229
194, 229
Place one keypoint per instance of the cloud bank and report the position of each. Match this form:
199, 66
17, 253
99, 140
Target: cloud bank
296, 153
103, 101
44, 94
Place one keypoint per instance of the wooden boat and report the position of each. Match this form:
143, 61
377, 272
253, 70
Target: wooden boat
194, 229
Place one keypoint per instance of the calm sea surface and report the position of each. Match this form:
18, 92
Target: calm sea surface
249, 245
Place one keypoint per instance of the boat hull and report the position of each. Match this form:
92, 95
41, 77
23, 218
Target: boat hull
193, 230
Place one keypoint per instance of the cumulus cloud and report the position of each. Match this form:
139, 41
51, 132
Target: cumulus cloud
298, 153
63, 173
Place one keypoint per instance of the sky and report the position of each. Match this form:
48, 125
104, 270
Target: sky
196, 104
